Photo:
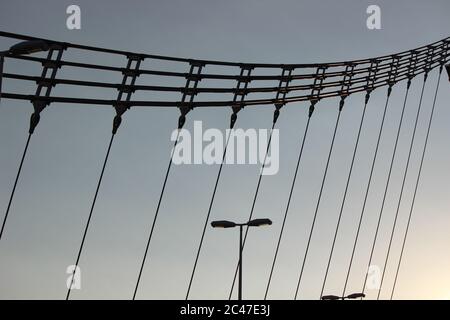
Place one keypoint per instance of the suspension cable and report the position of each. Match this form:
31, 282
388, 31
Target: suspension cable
387, 183
403, 184
252, 208
120, 108
15, 185
38, 106
233, 120
345, 193
417, 183
156, 215
90, 214
318, 202
289, 199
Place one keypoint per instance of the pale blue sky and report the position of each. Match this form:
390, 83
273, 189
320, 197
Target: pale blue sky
60, 173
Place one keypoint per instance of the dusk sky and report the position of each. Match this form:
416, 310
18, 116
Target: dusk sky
60, 173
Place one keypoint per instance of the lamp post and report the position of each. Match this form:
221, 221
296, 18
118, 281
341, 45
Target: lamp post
230, 224
350, 296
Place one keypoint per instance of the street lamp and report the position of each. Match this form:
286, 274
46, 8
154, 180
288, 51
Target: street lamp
22, 48
28, 47
350, 296
230, 224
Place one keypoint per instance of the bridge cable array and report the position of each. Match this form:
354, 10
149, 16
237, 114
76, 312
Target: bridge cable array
371, 79
394, 153
347, 78
38, 105
403, 186
367, 191
416, 184
120, 110
308, 244
372, 250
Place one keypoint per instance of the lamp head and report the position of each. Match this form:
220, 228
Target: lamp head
223, 224
330, 297
356, 296
447, 67
259, 222
28, 47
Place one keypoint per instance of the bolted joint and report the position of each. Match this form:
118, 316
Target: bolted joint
367, 97
196, 63
389, 91
181, 121
51, 64
279, 105
34, 120
38, 106
120, 110
311, 110
135, 57
184, 110
233, 119
237, 107
116, 123
341, 103
276, 114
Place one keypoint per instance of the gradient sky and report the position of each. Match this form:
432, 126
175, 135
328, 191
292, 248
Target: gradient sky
60, 173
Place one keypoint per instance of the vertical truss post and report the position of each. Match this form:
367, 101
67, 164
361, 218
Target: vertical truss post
372, 77
190, 90
412, 66
393, 72
346, 83
43, 83
240, 92
429, 61
316, 88
283, 90
130, 74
